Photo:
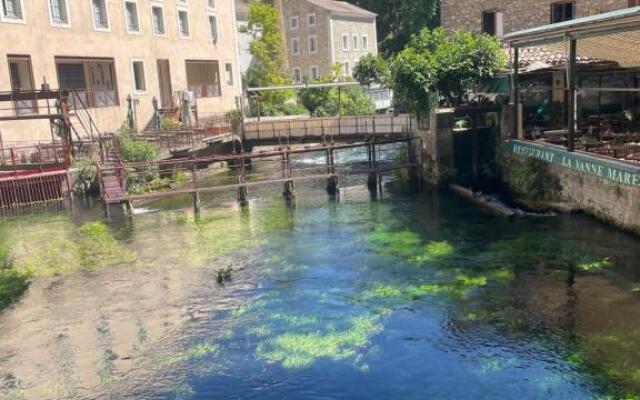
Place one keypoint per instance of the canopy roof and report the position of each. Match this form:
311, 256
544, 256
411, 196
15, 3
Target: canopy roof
612, 36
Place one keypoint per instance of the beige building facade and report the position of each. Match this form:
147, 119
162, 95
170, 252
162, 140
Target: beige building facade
500, 17
321, 33
108, 50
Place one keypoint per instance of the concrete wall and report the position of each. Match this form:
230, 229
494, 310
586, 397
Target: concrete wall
517, 14
37, 38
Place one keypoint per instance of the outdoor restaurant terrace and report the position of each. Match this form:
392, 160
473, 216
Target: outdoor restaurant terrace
592, 89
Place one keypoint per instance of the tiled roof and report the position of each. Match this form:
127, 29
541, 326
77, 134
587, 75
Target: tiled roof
342, 7
536, 58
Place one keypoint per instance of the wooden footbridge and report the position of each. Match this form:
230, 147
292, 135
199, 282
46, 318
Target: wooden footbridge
268, 153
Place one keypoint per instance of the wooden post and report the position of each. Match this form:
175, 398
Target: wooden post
571, 104
242, 190
286, 174
195, 195
332, 182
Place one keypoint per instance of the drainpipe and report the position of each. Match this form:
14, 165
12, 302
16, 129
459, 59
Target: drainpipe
571, 106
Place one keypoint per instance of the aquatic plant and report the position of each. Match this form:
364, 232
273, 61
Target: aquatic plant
224, 275
300, 350
195, 352
98, 248
12, 284
408, 244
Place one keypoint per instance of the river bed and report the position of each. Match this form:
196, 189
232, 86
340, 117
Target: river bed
419, 296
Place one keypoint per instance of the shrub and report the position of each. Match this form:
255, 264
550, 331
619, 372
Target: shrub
531, 179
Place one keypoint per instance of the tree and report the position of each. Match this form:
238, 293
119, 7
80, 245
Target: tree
371, 69
329, 102
443, 68
398, 20
266, 47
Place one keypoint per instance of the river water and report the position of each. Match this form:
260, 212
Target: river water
408, 296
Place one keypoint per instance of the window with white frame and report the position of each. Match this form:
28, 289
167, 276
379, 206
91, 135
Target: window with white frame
58, 12
365, 42
297, 75
183, 24
12, 11
345, 42
295, 46
313, 44
139, 78
228, 69
213, 28
314, 72
100, 14
211, 3
294, 23
311, 20
355, 42
157, 20
131, 16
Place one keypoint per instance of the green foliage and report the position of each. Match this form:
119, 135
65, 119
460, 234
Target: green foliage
134, 150
371, 69
438, 67
294, 109
266, 48
531, 179
409, 245
170, 123
86, 180
329, 102
399, 20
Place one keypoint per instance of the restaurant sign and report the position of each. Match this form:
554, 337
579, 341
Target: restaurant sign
608, 169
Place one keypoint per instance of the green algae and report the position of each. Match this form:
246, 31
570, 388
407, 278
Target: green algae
595, 266
195, 352
407, 244
300, 350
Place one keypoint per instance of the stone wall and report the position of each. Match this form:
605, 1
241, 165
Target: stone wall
614, 203
517, 14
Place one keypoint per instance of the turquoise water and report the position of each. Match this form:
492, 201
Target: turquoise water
412, 296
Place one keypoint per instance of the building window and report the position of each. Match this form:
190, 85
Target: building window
564, 11
211, 3
58, 12
228, 69
313, 44
295, 46
131, 16
100, 15
355, 42
12, 11
203, 78
93, 80
492, 23
311, 20
294, 23
314, 73
21, 79
157, 20
365, 42
183, 23
139, 78
345, 42
297, 75
213, 29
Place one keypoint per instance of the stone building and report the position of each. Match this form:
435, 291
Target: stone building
500, 17
107, 50
321, 33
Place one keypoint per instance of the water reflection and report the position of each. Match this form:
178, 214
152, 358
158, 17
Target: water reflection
410, 297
